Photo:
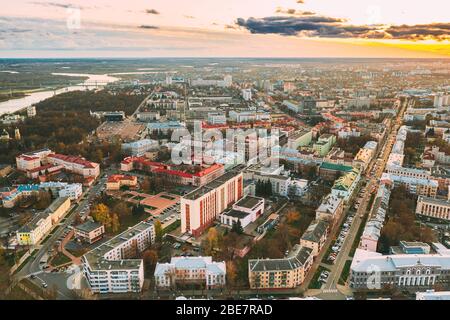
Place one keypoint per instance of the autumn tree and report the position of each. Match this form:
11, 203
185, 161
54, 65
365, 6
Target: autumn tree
122, 209
150, 257
158, 231
231, 274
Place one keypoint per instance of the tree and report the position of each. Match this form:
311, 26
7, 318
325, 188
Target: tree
115, 223
158, 231
150, 257
101, 214
138, 210
231, 274
122, 209
237, 227
292, 216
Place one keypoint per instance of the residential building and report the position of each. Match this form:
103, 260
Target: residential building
324, 144
366, 154
330, 209
315, 236
288, 272
183, 271
41, 223
346, 184
372, 270
247, 94
422, 187
202, 206
375, 223
11, 196
300, 138
113, 267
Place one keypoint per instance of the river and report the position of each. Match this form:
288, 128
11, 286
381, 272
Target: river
14, 105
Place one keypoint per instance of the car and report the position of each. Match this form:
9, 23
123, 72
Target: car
44, 285
33, 276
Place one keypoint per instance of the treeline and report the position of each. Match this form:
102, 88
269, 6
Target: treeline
63, 121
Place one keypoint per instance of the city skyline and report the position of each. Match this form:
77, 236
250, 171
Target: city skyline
289, 28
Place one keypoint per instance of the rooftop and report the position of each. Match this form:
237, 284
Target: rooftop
249, 202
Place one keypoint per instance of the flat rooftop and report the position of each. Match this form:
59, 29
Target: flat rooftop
249, 202
197, 193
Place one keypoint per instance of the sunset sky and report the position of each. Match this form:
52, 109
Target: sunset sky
231, 28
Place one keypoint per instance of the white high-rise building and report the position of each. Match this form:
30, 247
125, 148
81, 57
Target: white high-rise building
247, 94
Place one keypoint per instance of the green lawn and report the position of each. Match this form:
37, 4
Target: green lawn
345, 272
172, 227
60, 259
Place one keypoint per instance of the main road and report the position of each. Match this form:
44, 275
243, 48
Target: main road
374, 171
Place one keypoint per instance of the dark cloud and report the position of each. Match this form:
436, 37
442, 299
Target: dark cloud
144, 26
295, 12
328, 27
55, 4
151, 11
436, 31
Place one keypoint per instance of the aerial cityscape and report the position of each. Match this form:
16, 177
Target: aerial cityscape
209, 150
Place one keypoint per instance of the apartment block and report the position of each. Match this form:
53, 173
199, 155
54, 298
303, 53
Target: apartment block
113, 267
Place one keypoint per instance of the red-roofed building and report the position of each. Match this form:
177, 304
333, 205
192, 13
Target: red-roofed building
116, 181
75, 165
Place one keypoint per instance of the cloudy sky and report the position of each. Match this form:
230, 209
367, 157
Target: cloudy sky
242, 28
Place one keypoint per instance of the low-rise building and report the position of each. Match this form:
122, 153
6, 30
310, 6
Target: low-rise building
330, 209
372, 270
433, 208
375, 223
246, 211
346, 184
41, 223
190, 270
300, 138
315, 236
421, 187
89, 231
288, 272
433, 295
140, 147
324, 144
115, 182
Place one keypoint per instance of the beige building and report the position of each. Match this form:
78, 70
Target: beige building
315, 236
40, 225
330, 209
289, 272
118, 180
433, 208
202, 206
